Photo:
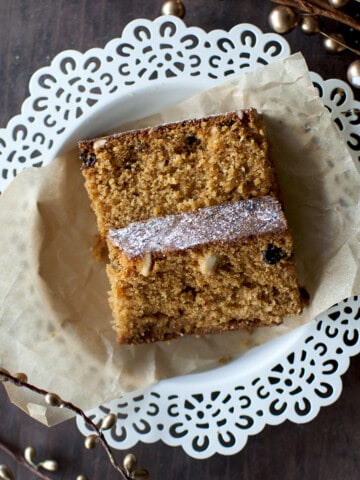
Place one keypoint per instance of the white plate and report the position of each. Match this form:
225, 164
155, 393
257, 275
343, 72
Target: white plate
162, 62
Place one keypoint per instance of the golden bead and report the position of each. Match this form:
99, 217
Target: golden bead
53, 399
338, 3
310, 24
2, 377
21, 376
282, 19
353, 73
173, 7
130, 462
81, 477
140, 474
30, 454
49, 465
91, 441
332, 44
108, 421
6, 473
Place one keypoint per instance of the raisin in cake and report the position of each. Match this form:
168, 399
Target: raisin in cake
177, 169
217, 269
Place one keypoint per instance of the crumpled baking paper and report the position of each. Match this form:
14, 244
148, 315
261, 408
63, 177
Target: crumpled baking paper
55, 322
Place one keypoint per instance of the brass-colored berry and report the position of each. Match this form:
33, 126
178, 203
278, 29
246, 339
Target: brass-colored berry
108, 421
173, 7
6, 473
81, 477
310, 24
2, 377
53, 399
334, 43
353, 73
91, 441
21, 376
130, 462
338, 3
282, 19
140, 474
49, 465
30, 454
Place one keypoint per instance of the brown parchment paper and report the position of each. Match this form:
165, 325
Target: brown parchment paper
55, 323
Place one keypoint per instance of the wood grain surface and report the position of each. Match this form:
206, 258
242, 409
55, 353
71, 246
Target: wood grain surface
32, 33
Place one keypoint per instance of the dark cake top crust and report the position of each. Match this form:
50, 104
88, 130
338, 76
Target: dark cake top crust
89, 147
219, 224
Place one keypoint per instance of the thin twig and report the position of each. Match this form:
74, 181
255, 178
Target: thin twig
18, 458
70, 406
322, 8
340, 42
105, 445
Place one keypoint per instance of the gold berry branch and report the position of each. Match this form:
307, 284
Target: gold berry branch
306, 13
128, 470
321, 8
27, 460
340, 42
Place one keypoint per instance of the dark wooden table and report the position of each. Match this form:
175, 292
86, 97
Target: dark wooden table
32, 33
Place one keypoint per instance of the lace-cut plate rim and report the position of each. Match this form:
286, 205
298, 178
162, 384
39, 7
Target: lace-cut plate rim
289, 378
152, 65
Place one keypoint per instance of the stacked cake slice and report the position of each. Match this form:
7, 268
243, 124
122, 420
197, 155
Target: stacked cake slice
197, 239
